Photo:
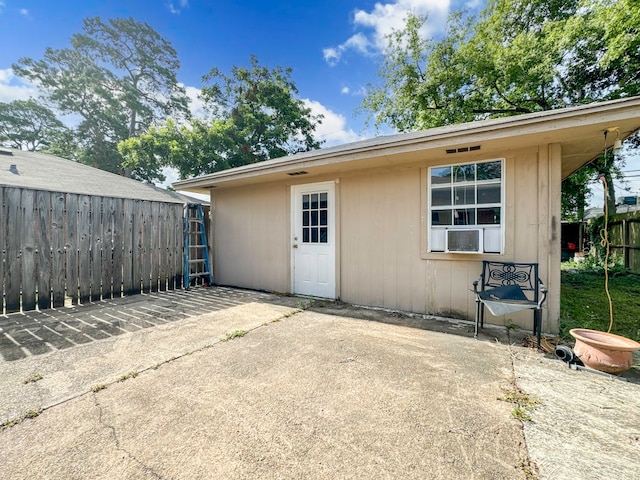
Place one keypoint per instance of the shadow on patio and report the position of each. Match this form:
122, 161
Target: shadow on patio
38, 332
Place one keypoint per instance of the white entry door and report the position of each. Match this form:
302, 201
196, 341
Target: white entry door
313, 240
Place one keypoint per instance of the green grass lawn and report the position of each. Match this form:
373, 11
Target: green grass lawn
584, 303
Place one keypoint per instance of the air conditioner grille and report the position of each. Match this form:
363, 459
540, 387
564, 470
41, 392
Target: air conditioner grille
464, 241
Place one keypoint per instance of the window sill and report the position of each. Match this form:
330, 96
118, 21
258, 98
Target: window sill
459, 257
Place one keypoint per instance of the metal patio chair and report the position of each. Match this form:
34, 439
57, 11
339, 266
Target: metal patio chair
507, 287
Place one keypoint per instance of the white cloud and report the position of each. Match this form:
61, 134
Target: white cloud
473, 4
333, 129
360, 92
358, 42
175, 9
14, 88
25, 13
382, 21
331, 55
196, 104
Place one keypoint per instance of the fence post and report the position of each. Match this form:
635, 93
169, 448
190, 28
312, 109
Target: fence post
625, 243
13, 263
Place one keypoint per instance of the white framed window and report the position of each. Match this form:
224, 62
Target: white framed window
466, 207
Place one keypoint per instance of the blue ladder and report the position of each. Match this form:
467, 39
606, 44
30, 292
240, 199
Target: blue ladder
196, 249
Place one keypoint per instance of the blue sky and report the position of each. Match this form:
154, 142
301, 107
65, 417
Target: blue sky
333, 46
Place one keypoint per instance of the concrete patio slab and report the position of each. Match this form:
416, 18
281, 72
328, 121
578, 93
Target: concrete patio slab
309, 396
225, 383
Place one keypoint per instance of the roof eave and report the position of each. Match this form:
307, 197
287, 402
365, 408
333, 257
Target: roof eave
521, 125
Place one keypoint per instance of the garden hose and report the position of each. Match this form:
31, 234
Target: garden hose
604, 242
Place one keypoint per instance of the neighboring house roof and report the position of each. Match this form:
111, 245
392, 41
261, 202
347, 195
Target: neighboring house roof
39, 171
181, 197
579, 130
596, 212
593, 212
627, 208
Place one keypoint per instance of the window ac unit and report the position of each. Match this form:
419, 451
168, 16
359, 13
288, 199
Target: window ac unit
464, 240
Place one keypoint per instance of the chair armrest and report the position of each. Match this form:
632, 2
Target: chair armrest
475, 285
543, 290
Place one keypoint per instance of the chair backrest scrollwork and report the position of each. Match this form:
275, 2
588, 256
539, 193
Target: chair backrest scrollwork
500, 274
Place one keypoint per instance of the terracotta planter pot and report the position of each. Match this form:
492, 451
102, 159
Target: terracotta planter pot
604, 351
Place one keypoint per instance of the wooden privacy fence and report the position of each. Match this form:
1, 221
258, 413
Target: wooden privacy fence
62, 248
624, 237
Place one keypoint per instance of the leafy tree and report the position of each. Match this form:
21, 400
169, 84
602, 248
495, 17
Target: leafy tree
27, 125
255, 116
144, 67
262, 115
518, 56
119, 76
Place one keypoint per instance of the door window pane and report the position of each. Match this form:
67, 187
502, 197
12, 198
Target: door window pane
315, 212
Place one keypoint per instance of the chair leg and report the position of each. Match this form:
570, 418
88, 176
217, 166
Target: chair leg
477, 317
537, 326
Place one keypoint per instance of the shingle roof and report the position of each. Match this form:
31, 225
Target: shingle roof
39, 171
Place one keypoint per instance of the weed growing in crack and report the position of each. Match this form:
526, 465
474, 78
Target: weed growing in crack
127, 376
32, 413
529, 469
520, 414
33, 378
97, 388
305, 305
524, 403
234, 334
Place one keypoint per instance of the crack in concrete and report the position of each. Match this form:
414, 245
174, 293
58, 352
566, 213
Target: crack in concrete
11, 421
116, 440
527, 465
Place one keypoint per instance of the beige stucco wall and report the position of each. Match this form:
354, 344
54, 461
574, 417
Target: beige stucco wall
382, 257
